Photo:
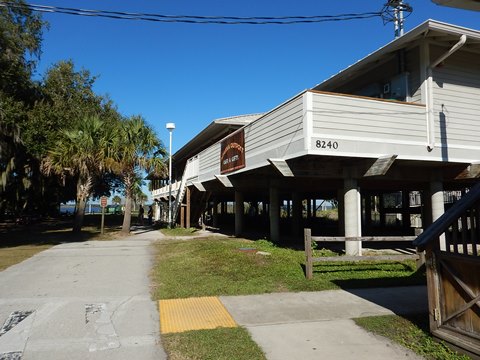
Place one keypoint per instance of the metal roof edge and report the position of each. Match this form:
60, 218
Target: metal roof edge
245, 125
242, 119
217, 123
281, 104
453, 29
266, 113
398, 43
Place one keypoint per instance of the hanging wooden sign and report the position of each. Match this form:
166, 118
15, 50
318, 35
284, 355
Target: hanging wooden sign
232, 155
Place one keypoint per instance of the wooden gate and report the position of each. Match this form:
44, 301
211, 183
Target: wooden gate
452, 247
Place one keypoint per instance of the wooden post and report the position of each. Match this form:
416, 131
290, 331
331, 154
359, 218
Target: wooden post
182, 215
381, 210
215, 213
103, 220
239, 213
433, 285
341, 213
187, 225
406, 210
421, 258
368, 212
308, 254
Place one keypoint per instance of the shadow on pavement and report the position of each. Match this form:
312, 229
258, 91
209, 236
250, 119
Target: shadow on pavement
400, 300
54, 231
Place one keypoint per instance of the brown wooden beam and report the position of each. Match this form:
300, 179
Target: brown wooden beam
363, 238
189, 208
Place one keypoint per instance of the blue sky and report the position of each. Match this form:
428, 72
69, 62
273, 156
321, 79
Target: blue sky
192, 74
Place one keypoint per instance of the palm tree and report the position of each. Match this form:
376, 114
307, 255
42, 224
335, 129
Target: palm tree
137, 149
83, 152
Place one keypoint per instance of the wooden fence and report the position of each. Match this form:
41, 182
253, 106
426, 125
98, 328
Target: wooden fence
452, 245
309, 259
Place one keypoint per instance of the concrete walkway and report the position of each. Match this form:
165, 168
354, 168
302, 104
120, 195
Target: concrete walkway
91, 300
88, 300
314, 325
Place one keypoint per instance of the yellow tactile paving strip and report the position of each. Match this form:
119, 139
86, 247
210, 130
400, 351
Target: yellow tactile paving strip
201, 313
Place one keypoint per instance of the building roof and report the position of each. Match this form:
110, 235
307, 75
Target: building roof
215, 131
461, 4
439, 32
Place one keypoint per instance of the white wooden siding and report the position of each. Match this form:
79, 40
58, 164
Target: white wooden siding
191, 168
165, 191
209, 163
457, 102
279, 134
352, 126
357, 118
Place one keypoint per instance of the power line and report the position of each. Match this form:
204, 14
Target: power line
190, 19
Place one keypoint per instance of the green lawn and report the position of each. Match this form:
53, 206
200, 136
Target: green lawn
410, 332
180, 232
224, 266
218, 344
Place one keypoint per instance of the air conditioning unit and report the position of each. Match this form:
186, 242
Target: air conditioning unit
386, 89
397, 88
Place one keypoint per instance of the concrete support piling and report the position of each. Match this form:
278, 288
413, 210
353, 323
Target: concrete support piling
352, 216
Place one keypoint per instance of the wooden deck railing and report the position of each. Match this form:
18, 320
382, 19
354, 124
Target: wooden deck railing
460, 224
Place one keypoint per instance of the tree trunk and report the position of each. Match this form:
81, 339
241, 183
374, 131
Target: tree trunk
79, 215
83, 192
127, 217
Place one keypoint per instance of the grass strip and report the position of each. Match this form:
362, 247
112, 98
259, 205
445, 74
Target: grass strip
217, 344
179, 231
13, 255
411, 332
223, 266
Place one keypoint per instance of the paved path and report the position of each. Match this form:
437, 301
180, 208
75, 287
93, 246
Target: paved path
87, 300
314, 325
91, 300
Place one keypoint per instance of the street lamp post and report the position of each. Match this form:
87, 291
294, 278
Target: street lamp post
170, 127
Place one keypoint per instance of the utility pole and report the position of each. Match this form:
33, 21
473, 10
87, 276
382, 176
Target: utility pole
399, 7
170, 127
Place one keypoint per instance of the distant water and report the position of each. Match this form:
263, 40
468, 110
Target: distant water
90, 209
